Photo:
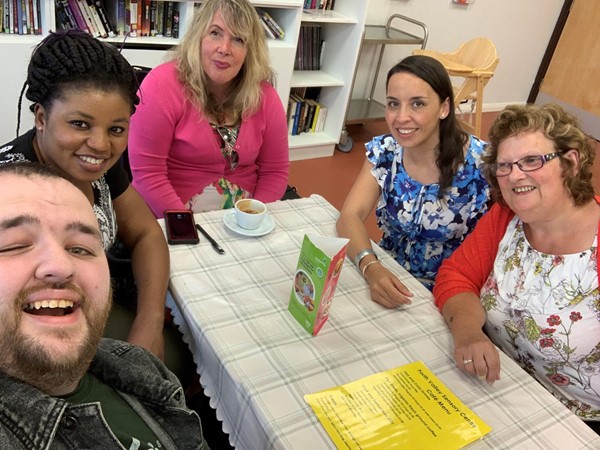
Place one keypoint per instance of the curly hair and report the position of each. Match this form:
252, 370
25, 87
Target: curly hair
242, 19
73, 59
560, 127
452, 137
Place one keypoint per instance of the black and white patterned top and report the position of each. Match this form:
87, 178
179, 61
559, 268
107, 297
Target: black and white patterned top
112, 184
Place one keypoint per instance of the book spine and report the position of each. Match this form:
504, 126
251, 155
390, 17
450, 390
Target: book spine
13, 16
39, 15
133, 16
79, 20
85, 12
6, 17
34, 18
317, 48
175, 30
28, 16
62, 19
315, 118
153, 18
268, 31
101, 10
168, 26
322, 117
290, 114
160, 18
275, 25
271, 27
60, 15
18, 23
309, 116
96, 18
297, 117
145, 18
120, 17
140, 14
112, 14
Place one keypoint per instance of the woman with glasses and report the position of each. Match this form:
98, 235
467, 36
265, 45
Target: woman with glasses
526, 279
210, 127
424, 179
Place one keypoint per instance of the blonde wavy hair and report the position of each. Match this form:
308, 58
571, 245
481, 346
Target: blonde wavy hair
242, 20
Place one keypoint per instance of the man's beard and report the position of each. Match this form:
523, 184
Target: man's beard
26, 359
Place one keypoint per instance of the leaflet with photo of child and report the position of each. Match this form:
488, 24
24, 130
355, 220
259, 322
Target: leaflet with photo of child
319, 266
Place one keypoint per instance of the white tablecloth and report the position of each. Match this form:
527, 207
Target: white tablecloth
256, 362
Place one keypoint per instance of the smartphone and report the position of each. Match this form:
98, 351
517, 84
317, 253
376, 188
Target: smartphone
181, 228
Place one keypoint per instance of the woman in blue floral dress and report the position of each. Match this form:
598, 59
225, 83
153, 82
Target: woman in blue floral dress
425, 179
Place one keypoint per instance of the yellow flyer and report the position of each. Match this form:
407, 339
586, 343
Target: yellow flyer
405, 407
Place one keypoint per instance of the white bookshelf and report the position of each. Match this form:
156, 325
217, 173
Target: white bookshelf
342, 30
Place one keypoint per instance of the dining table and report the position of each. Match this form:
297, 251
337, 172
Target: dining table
256, 362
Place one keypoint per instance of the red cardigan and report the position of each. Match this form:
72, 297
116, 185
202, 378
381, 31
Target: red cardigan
470, 265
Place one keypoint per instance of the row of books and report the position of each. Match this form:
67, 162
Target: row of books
87, 15
319, 4
21, 16
305, 113
310, 47
119, 17
147, 18
272, 28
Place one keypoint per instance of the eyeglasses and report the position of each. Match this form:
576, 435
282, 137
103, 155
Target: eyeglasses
229, 138
527, 164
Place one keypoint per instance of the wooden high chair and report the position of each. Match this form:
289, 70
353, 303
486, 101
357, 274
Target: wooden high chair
475, 61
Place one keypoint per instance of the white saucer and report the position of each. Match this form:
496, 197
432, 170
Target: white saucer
265, 227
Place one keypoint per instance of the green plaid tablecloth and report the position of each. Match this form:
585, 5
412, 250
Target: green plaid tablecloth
256, 362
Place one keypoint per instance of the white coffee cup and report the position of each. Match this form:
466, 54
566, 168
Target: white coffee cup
249, 213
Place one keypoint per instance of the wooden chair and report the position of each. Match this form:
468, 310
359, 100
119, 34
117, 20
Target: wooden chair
475, 61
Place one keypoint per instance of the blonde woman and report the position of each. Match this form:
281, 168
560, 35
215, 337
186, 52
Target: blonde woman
210, 127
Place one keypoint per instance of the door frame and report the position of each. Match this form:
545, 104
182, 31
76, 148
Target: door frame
552, 43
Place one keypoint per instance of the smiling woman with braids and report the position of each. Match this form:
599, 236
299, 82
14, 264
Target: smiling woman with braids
83, 93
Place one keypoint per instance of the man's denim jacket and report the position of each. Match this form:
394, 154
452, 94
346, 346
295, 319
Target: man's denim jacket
32, 420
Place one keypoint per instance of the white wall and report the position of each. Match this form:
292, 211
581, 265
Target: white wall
520, 29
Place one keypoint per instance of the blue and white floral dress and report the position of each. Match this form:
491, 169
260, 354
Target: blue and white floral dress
419, 229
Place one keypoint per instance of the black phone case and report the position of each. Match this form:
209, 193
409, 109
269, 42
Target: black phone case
175, 241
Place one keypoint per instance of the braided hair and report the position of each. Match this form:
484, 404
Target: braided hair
70, 59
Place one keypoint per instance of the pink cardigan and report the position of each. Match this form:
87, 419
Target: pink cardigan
174, 154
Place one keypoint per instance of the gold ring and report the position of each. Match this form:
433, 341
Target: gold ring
467, 361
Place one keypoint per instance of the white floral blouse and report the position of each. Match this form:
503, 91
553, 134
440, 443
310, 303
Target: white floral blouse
544, 311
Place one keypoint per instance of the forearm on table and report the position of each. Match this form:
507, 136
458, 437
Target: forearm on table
463, 313
150, 263
351, 226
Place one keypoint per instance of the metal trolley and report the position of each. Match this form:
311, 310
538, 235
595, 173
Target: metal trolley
365, 110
